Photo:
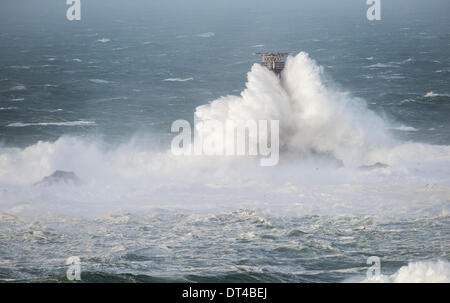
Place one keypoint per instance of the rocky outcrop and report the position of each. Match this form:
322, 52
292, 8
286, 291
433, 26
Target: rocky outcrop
373, 166
60, 177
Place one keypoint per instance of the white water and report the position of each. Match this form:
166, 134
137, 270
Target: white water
432, 95
314, 118
325, 135
415, 272
66, 123
178, 79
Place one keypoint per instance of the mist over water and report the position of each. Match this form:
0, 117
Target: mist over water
100, 101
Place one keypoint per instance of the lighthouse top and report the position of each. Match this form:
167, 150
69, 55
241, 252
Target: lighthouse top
273, 61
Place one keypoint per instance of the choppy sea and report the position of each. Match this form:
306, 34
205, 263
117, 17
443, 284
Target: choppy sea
97, 97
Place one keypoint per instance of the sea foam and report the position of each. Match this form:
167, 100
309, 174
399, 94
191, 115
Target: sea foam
326, 135
417, 272
66, 123
314, 118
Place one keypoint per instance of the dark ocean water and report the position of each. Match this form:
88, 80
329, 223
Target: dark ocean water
110, 70
98, 97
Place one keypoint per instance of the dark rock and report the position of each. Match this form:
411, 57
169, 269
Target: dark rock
373, 166
60, 177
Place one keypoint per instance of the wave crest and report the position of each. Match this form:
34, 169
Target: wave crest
419, 272
314, 117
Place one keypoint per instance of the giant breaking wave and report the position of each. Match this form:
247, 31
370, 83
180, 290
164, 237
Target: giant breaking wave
314, 118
